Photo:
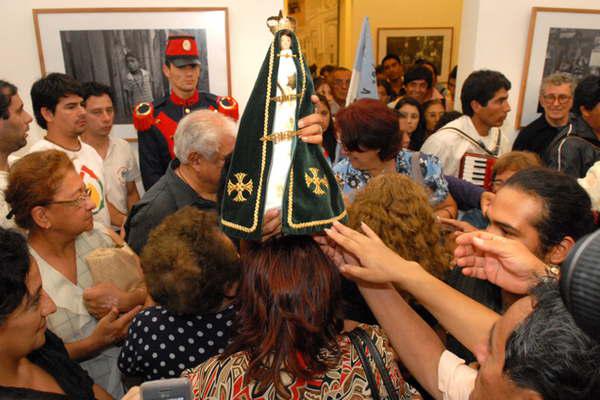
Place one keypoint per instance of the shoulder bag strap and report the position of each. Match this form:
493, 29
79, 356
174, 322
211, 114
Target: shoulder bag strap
470, 139
415, 165
354, 338
383, 372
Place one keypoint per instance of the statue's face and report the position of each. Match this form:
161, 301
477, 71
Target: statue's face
285, 42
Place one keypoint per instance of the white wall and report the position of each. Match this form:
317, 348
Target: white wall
494, 36
248, 35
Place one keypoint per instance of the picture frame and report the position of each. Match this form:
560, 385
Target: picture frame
559, 39
101, 44
410, 44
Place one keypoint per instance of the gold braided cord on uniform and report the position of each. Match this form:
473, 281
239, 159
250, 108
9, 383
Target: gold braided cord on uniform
263, 155
280, 136
290, 222
286, 97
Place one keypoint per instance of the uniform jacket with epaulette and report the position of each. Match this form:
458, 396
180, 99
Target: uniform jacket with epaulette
156, 143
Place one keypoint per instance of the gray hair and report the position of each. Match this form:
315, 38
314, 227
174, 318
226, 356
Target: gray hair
200, 132
557, 79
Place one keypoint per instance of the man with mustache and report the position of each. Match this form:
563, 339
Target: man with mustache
58, 107
14, 124
484, 99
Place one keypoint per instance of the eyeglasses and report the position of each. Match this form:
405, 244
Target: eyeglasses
85, 195
561, 98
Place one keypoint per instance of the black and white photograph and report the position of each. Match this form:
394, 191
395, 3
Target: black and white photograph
129, 61
574, 51
413, 48
412, 44
125, 49
559, 40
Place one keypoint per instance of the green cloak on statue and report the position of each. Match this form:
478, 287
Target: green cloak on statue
310, 198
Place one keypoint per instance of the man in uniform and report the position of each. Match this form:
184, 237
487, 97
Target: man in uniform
156, 122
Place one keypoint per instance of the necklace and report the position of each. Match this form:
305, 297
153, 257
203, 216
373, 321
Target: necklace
63, 147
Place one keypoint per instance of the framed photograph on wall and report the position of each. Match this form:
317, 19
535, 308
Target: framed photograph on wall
559, 40
411, 44
114, 45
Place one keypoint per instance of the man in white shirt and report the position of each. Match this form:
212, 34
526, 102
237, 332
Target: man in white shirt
484, 99
58, 108
120, 168
14, 124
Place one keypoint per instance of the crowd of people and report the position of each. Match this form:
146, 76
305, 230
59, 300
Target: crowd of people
445, 273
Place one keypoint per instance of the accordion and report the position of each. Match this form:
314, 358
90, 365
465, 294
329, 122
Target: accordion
477, 169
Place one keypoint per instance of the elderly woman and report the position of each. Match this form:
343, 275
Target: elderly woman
370, 136
33, 361
288, 342
192, 272
48, 198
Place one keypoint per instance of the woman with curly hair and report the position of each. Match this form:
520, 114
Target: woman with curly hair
191, 270
396, 208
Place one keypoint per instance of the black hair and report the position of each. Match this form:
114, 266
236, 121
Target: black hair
409, 100
566, 205
329, 138
14, 267
7, 91
422, 61
131, 55
453, 73
97, 89
326, 69
379, 70
587, 94
418, 72
548, 353
481, 86
390, 56
47, 92
446, 118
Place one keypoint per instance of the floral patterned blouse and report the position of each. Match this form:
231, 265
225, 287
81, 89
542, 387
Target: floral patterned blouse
428, 173
224, 379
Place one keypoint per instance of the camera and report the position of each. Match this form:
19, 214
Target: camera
580, 284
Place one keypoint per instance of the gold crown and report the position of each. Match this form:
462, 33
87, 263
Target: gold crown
280, 22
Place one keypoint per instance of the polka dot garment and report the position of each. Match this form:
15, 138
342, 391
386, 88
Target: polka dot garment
161, 344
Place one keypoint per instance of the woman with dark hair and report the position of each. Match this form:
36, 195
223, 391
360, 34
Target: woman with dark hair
288, 342
192, 272
34, 363
49, 199
414, 118
329, 139
432, 111
370, 136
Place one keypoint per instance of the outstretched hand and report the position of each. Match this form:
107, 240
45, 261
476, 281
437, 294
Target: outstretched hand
505, 262
371, 260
